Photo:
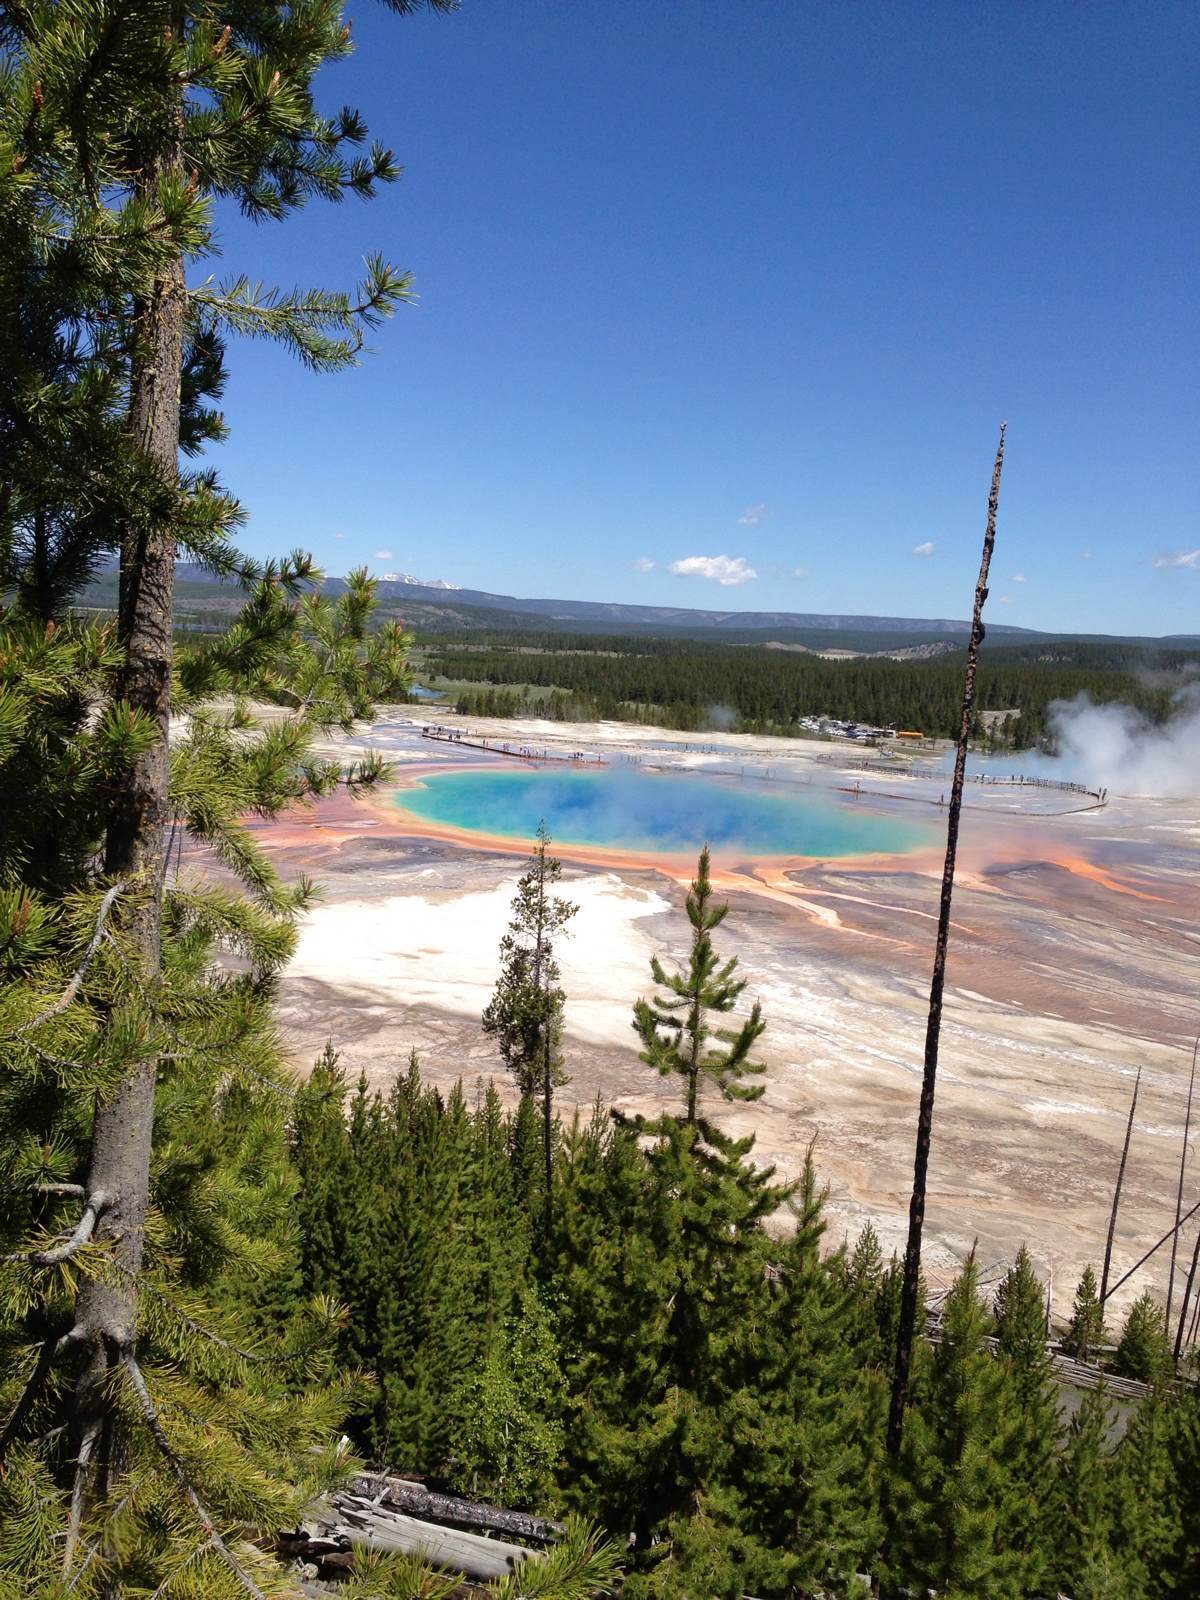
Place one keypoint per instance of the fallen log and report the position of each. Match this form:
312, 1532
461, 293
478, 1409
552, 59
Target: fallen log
345, 1520
403, 1495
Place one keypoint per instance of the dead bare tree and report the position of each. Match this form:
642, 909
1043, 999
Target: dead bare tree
1141, 1261
1183, 1154
916, 1213
1196, 1248
1116, 1203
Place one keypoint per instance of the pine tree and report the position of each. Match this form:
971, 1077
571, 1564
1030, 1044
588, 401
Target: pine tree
1144, 1351
526, 1010
667, 1270
957, 1501
1086, 1334
506, 1439
808, 1427
1020, 1312
674, 1027
120, 128
1082, 1509
1146, 1501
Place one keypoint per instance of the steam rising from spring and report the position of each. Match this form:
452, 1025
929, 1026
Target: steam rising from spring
1118, 748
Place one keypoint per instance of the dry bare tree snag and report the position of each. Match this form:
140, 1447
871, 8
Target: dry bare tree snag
916, 1213
1116, 1205
123, 1129
1141, 1261
1183, 1155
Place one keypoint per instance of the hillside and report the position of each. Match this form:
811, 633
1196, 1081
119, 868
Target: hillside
203, 602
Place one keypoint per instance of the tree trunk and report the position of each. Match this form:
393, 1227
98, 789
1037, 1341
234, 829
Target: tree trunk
916, 1215
1187, 1128
548, 1123
1120, 1184
123, 1128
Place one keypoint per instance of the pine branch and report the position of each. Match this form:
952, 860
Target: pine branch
179, 1472
200, 1550
97, 1544
254, 1358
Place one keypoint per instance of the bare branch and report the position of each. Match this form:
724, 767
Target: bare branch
179, 1471
73, 1242
34, 1386
81, 971
1154, 1248
79, 1493
68, 1191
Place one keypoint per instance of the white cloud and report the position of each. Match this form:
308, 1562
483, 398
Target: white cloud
383, 555
1181, 558
1018, 577
1005, 599
728, 571
339, 536
644, 564
752, 516
1085, 555
800, 572
925, 549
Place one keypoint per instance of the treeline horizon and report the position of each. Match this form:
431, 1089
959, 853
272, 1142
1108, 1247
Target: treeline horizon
678, 683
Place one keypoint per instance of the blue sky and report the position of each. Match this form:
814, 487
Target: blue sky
757, 281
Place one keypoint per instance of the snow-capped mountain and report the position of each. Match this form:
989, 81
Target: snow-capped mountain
420, 583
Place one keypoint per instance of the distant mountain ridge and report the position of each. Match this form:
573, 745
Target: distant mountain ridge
441, 607
619, 613
406, 580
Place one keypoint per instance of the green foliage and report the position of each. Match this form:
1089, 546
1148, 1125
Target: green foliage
525, 1011
1082, 1509
1086, 1332
410, 1216
1144, 1351
673, 1027
960, 1509
675, 682
506, 1439
582, 1565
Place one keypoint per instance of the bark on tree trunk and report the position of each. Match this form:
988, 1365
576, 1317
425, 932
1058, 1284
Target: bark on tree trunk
123, 1127
548, 1123
916, 1214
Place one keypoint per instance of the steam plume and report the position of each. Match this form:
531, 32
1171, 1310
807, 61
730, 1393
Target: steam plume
1119, 748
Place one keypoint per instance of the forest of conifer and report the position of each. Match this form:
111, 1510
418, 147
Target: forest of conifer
676, 683
225, 1281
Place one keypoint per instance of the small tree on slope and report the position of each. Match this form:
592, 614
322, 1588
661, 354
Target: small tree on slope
674, 1026
526, 1010
1086, 1333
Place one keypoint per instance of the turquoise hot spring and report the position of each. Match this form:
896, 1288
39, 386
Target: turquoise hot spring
668, 813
